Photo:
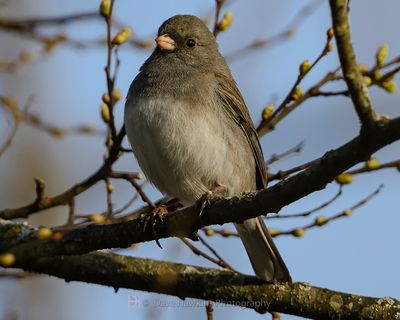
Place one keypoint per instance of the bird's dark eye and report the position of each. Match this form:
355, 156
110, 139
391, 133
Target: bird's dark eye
190, 43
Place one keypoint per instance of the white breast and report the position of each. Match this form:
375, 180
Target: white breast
185, 151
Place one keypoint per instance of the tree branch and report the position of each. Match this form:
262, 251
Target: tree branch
357, 88
187, 221
27, 25
220, 286
64, 197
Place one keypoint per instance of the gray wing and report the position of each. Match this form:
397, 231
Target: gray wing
236, 108
264, 255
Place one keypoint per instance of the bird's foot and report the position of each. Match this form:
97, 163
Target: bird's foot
155, 216
217, 191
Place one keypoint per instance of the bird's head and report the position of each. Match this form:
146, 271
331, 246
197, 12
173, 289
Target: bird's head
186, 38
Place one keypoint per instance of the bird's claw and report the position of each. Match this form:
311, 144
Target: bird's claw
157, 214
218, 190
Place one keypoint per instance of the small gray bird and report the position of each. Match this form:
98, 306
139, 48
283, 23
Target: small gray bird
191, 132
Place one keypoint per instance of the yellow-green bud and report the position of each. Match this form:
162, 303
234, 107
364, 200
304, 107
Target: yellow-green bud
57, 132
106, 98
373, 163
304, 67
297, 93
389, 86
226, 21
382, 54
209, 232
97, 218
44, 233
298, 232
109, 142
321, 220
367, 80
87, 128
330, 33
344, 178
347, 212
105, 113
7, 259
50, 43
110, 187
225, 233
105, 8
267, 111
122, 36
117, 95
362, 67
274, 232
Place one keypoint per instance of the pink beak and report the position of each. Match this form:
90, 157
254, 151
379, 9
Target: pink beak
165, 42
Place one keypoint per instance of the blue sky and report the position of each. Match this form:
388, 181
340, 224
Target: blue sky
358, 254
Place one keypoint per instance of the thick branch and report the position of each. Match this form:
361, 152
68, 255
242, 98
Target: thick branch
221, 286
187, 221
357, 88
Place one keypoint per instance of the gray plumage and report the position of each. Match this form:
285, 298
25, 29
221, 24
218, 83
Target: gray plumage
190, 130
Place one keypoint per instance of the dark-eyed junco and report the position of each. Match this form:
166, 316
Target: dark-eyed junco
191, 132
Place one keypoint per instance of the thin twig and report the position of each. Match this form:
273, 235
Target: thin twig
198, 252
322, 220
209, 310
56, 131
7, 142
283, 174
371, 74
109, 190
224, 232
86, 216
65, 196
131, 201
276, 157
110, 80
131, 178
309, 212
388, 165
389, 63
113, 152
275, 316
218, 6
286, 33
27, 25
215, 253
71, 212
11, 106
280, 112
40, 190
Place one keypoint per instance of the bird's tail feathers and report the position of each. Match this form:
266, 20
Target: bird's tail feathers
264, 255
